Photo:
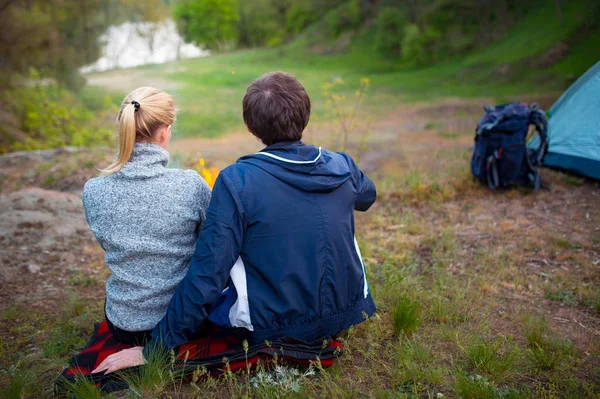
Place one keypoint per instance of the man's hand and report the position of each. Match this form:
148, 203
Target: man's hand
121, 360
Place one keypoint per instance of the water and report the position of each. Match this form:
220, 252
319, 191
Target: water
141, 43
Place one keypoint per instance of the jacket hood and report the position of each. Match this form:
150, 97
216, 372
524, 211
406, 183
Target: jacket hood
147, 160
302, 166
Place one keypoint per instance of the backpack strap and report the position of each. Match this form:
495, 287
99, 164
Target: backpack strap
491, 168
535, 157
538, 118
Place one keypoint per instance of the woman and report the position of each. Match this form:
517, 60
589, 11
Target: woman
146, 217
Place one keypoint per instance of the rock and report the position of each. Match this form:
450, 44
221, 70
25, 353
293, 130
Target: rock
40, 229
34, 268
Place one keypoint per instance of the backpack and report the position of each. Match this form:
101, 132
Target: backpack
502, 156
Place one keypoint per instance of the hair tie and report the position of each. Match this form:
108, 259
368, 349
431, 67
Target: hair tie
136, 105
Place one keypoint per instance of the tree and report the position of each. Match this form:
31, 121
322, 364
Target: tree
210, 23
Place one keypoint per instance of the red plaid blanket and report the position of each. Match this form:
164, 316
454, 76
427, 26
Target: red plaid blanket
214, 353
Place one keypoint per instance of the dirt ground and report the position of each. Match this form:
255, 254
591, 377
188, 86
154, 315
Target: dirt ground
48, 252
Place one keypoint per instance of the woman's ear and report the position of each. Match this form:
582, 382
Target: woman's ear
165, 136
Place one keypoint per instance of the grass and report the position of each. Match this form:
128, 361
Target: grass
406, 316
545, 351
67, 332
478, 387
451, 316
491, 358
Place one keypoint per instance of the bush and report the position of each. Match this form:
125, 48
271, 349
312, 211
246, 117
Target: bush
390, 25
51, 116
418, 45
344, 18
299, 17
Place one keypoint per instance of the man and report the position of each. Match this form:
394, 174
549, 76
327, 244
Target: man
276, 256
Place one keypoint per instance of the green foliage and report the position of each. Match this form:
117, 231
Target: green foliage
390, 25
406, 316
52, 116
258, 24
463, 24
300, 15
212, 23
353, 14
417, 44
442, 29
346, 17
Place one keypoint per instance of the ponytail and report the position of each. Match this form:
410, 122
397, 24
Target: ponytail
127, 134
142, 113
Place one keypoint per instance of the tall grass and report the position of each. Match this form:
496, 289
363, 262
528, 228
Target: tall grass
406, 316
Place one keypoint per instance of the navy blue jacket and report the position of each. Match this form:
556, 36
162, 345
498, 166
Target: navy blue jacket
277, 255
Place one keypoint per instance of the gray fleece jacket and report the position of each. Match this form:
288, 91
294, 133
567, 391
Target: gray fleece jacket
146, 218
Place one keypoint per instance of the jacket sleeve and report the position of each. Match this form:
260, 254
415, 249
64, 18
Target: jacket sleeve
217, 248
203, 197
365, 189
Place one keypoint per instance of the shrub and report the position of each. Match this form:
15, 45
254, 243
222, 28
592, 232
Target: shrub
390, 27
343, 18
51, 117
346, 114
417, 45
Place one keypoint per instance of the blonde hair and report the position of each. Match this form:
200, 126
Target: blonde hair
142, 113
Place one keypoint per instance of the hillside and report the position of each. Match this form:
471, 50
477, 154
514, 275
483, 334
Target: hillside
537, 57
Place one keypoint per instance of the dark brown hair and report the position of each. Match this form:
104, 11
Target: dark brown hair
276, 108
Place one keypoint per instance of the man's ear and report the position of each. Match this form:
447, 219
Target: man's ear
255, 136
